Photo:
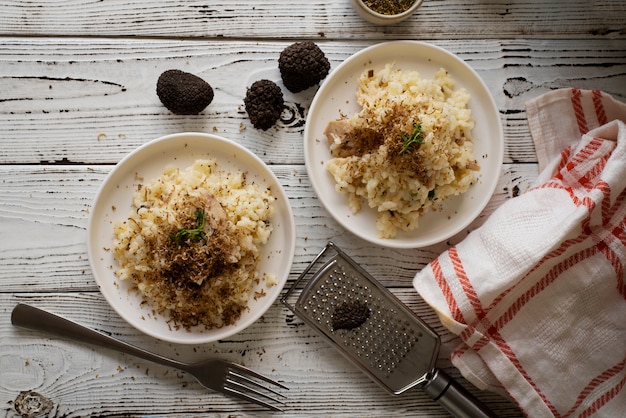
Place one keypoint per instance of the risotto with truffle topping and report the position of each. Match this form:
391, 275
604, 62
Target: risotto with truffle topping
407, 149
193, 243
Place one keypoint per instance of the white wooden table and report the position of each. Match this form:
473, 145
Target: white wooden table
77, 93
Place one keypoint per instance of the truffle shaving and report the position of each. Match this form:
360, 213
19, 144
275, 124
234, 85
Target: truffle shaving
193, 243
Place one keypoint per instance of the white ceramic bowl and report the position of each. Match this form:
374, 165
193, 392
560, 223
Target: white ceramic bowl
114, 202
383, 19
336, 98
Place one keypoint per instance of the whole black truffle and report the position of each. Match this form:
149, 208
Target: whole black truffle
349, 315
183, 93
264, 104
302, 65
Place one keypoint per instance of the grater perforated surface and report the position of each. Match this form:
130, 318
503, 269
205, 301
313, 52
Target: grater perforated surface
393, 345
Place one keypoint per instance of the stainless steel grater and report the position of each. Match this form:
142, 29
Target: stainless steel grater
393, 345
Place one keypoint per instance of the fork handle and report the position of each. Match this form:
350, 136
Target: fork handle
27, 316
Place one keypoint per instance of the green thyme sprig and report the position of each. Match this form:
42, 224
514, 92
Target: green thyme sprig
193, 235
414, 138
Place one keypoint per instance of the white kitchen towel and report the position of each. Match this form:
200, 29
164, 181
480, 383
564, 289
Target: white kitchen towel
537, 294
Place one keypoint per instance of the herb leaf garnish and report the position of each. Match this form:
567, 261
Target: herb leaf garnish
192, 235
414, 138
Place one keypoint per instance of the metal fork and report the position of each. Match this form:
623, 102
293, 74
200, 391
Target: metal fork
220, 375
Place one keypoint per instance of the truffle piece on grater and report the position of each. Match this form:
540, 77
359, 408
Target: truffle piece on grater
350, 315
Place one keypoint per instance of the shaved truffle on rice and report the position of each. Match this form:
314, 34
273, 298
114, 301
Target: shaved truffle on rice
408, 149
193, 243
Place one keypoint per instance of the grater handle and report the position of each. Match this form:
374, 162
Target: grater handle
454, 397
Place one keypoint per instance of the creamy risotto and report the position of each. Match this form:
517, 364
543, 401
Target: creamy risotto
408, 148
192, 245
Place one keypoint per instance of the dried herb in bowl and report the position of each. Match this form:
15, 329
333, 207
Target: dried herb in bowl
389, 7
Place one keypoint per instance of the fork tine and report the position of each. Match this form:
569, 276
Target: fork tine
250, 372
246, 397
245, 381
239, 382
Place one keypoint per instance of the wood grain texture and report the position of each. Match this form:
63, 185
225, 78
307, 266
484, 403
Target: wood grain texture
77, 94
45, 211
279, 346
435, 19
91, 102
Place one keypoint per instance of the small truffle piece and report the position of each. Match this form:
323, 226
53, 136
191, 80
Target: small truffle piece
183, 93
264, 104
350, 315
302, 65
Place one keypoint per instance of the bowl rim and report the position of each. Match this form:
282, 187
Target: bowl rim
367, 55
95, 226
398, 16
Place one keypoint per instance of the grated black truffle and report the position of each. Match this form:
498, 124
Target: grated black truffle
350, 315
264, 104
302, 65
183, 93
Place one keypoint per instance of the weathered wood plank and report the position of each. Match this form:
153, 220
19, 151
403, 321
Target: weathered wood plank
44, 229
436, 19
93, 101
77, 93
278, 345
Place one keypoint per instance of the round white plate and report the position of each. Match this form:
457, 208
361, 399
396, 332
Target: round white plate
114, 203
336, 97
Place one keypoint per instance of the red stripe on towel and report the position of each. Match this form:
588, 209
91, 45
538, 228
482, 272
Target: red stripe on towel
542, 284
588, 179
602, 248
577, 106
468, 289
614, 260
496, 338
493, 332
585, 201
614, 228
599, 106
607, 395
579, 176
582, 156
446, 291
506, 349
565, 156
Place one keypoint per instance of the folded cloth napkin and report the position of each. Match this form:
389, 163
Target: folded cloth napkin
537, 294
